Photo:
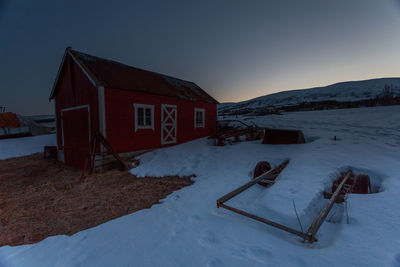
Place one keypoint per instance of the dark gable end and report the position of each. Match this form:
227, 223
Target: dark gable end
115, 75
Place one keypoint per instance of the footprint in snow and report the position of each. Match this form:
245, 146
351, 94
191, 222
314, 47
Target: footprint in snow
257, 254
196, 218
208, 240
215, 263
396, 260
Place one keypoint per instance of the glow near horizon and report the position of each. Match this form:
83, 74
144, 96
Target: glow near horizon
235, 50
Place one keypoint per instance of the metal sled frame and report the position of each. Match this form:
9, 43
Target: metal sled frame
315, 225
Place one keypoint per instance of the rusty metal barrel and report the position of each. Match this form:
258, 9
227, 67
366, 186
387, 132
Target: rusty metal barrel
261, 167
282, 136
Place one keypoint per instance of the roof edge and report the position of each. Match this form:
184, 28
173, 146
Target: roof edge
130, 66
85, 69
58, 74
92, 78
149, 93
96, 82
214, 100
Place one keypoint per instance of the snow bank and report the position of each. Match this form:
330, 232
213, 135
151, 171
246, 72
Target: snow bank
16, 147
187, 229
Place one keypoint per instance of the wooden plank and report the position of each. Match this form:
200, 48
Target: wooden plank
266, 221
99, 138
104, 141
93, 154
272, 174
316, 224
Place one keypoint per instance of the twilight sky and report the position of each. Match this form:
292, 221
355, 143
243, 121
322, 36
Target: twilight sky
235, 50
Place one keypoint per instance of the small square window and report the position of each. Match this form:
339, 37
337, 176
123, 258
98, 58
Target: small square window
199, 118
144, 116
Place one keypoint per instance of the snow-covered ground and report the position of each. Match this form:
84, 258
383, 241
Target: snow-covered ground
187, 229
10, 148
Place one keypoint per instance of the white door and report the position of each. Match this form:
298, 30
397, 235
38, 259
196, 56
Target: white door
168, 124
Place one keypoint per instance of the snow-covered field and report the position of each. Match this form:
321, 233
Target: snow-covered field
10, 148
187, 229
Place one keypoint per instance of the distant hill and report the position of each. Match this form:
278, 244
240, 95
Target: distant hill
344, 92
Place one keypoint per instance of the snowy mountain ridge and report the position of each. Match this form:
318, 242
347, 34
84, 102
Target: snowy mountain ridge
340, 92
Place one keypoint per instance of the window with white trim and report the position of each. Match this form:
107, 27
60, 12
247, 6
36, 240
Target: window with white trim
199, 117
144, 116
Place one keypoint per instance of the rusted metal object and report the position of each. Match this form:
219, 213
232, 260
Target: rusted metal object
262, 167
316, 224
356, 184
283, 136
347, 183
225, 131
269, 176
272, 174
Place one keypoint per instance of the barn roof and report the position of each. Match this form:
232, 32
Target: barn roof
112, 74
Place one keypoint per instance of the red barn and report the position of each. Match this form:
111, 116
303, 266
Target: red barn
134, 109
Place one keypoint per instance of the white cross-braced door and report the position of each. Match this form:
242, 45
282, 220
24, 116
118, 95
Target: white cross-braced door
168, 124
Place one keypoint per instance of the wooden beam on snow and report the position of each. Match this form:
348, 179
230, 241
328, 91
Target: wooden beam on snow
316, 224
266, 221
272, 174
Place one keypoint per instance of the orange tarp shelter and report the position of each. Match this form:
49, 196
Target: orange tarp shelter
8, 119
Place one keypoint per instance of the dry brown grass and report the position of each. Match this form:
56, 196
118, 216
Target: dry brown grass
41, 198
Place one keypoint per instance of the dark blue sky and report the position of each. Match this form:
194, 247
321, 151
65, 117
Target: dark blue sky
235, 50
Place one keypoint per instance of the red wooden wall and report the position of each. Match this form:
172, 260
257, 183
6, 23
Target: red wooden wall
76, 136
120, 120
75, 89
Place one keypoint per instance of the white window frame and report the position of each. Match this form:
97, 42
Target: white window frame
144, 106
203, 111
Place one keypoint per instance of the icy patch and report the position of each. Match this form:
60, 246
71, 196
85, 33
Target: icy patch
396, 260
